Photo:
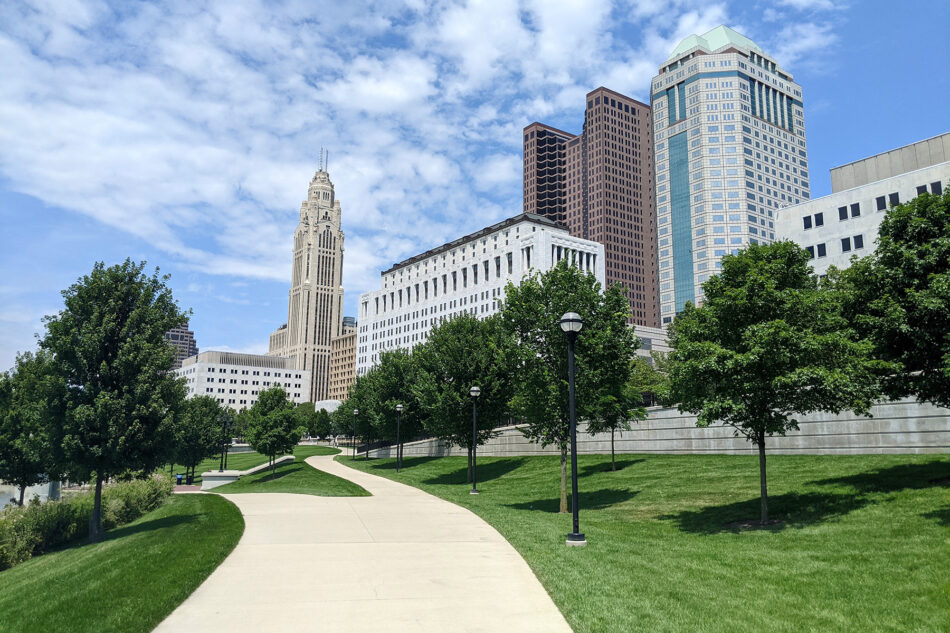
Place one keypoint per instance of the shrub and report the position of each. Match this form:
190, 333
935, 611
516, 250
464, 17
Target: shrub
40, 527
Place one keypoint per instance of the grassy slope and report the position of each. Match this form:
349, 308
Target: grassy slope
129, 582
297, 477
864, 543
245, 461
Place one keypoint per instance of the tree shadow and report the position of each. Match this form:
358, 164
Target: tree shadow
941, 516
150, 525
896, 478
407, 462
790, 510
593, 500
593, 469
484, 471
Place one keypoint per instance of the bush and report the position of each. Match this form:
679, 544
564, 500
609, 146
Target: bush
40, 527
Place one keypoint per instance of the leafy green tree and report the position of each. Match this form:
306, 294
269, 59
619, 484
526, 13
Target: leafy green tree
649, 380
273, 428
241, 421
31, 400
461, 353
604, 350
108, 345
363, 396
767, 343
393, 379
899, 298
198, 432
306, 417
322, 424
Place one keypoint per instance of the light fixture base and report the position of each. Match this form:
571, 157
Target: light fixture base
473, 492
576, 539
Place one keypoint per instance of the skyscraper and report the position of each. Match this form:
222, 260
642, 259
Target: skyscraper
604, 190
183, 340
730, 151
315, 306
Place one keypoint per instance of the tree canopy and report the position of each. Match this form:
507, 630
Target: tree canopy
899, 298
121, 397
198, 432
273, 428
767, 343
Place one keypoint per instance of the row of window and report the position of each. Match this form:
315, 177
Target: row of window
847, 245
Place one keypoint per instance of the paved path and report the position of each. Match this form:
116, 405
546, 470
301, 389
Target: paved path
401, 560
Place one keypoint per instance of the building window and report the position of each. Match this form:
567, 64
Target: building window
806, 221
936, 189
845, 244
822, 251
921, 189
881, 203
855, 209
811, 252
894, 199
858, 242
819, 219
842, 213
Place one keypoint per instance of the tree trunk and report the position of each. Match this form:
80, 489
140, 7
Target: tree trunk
563, 509
95, 521
468, 477
22, 494
613, 463
762, 480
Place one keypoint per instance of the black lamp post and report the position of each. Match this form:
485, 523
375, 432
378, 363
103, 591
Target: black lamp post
571, 324
398, 444
222, 417
474, 392
356, 414
229, 424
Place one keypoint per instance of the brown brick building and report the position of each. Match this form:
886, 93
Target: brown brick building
608, 190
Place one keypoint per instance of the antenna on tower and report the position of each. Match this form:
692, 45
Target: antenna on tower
321, 159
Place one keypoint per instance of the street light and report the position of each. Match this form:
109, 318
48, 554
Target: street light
229, 424
223, 421
474, 392
356, 414
571, 324
398, 444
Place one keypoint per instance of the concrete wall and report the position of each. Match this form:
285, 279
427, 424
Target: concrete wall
903, 426
911, 157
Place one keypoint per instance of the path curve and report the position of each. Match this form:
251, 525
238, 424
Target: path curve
401, 560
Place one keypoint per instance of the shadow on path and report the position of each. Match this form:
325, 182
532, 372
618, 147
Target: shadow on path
593, 500
485, 472
791, 510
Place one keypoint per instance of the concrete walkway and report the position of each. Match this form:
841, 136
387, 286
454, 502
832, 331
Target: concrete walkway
401, 560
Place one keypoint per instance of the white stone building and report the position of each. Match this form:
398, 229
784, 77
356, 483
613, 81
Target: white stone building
845, 223
466, 275
729, 132
315, 300
236, 379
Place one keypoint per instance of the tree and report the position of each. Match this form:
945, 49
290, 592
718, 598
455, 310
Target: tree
461, 353
322, 424
363, 396
30, 402
899, 298
273, 429
108, 345
649, 380
604, 350
198, 432
306, 417
392, 380
767, 343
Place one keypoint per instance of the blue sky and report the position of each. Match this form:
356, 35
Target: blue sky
185, 133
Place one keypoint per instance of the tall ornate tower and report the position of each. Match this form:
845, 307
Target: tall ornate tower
315, 306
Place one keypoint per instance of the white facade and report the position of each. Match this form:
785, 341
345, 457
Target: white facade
730, 151
466, 275
236, 380
845, 224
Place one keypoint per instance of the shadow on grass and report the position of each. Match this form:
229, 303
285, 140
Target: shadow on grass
594, 500
407, 462
896, 478
587, 471
281, 472
789, 510
148, 526
485, 472
941, 516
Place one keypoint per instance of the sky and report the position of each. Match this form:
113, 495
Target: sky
185, 134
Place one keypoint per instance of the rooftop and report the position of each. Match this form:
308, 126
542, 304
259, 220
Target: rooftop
718, 38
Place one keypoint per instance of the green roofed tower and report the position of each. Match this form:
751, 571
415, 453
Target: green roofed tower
730, 150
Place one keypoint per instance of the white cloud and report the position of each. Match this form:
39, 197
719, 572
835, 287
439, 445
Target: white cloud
797, 41
810, 5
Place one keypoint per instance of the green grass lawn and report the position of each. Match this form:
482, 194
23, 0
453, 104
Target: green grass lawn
245, 461
128, 583
297, 477
863, 542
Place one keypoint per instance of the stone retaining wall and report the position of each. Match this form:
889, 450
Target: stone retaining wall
902, 426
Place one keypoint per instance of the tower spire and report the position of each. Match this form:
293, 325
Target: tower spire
321, 159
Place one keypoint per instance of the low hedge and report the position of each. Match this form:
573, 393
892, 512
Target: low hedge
40, 527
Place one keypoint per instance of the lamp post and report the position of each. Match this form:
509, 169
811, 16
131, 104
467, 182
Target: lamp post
474, 392
571, 324
356, 414
398, 444
229, 424
221, 420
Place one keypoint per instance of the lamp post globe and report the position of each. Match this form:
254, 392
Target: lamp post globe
571, 323
399, 409
474, 392
356, 415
